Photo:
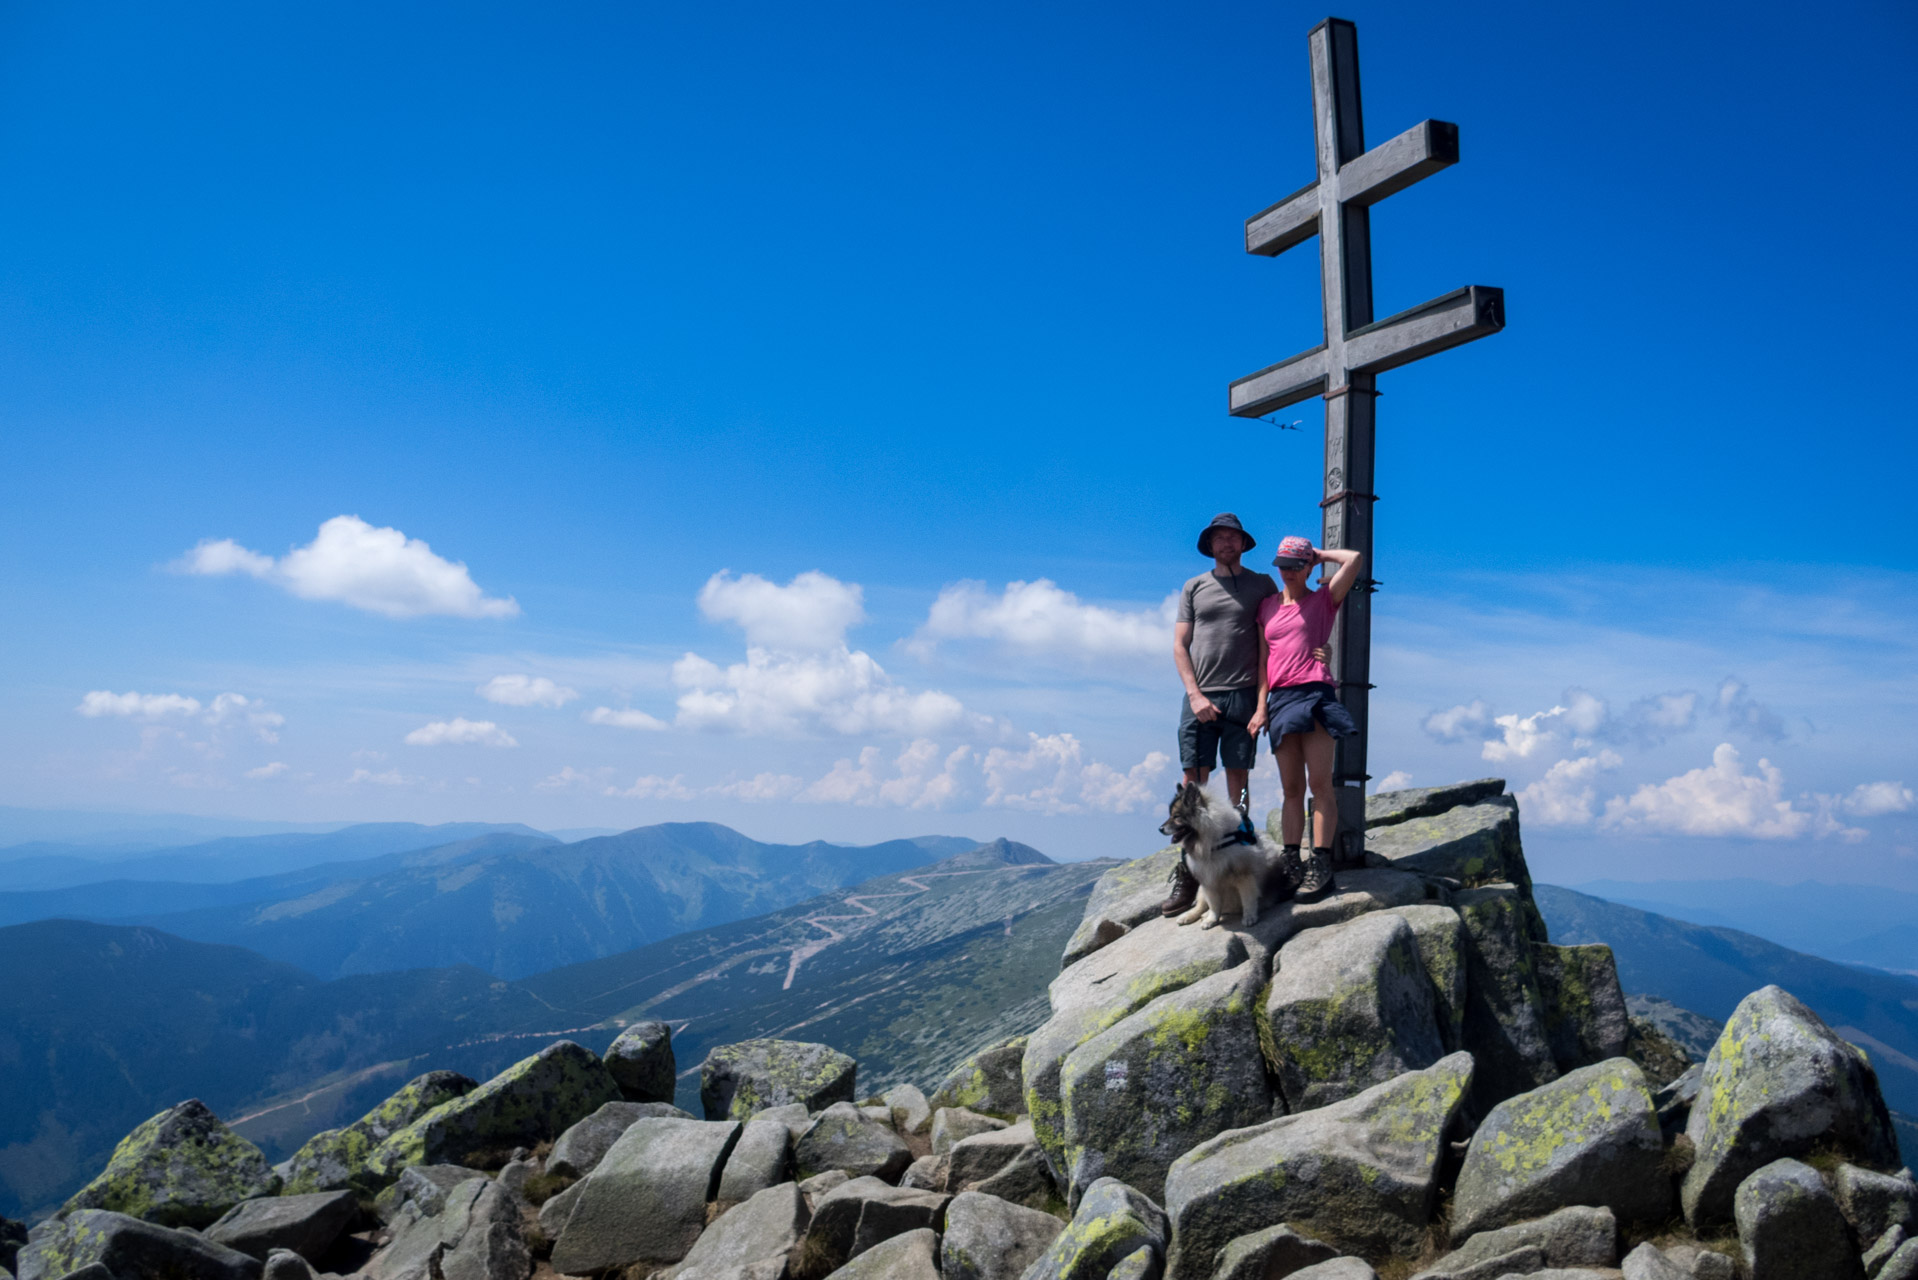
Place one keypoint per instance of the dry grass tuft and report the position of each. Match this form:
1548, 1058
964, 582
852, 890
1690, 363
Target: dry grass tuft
542, 1187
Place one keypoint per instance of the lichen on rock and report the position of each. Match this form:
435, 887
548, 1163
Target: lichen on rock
1349, 1006
1591, 1137
1361, 1175
1585, 1016
1145, 1091
1473, 844
534, 1100
738, 1080
1114, 1222
1504, 1011
1389, 808
182, 1168
990, 1082
1779, 1083
335, 1160
114, 1244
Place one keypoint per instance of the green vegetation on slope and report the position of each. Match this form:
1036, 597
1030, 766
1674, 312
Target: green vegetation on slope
109, 1025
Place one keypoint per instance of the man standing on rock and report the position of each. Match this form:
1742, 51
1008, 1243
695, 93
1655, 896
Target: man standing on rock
1215, 645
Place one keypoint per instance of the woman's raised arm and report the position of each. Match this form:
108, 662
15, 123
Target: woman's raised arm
1348, 563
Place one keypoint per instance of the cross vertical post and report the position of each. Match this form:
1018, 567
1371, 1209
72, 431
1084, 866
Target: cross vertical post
1344, 368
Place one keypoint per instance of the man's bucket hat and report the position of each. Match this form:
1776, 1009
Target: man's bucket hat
1224, 520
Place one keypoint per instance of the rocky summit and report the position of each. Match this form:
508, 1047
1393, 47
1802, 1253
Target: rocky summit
1405, 1078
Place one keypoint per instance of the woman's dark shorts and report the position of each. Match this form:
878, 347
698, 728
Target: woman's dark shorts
1203, 741
1295, 708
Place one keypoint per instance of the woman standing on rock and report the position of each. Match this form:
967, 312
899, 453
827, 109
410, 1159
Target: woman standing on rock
1297, 699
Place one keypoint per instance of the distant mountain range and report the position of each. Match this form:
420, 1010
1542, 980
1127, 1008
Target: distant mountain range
908, 973
110, 1024
101, 1026
1709, 970
939, 947
510, 901
1853, 923
43, 865
108, 832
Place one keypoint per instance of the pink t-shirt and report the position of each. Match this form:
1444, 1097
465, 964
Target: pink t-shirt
1292, 631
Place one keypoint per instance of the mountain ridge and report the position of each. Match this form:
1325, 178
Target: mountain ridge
257, 1037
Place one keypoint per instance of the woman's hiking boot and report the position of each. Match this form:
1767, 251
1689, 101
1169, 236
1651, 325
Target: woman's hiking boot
1317, 880
1185, 890
1283, 882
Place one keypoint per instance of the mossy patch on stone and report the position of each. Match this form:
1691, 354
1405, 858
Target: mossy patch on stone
534, 1100
1349, 1007
1585, 1016
739, 1080
991, 1081
182, 1168
1178, 1071
335, 1160
1779, 1083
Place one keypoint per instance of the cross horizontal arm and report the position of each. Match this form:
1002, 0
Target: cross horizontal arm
1288, 382
1293, 220
1391, 167
1475, 311
1386, 169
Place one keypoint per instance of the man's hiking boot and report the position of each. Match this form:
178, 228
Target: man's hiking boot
1185, 891
1317, 880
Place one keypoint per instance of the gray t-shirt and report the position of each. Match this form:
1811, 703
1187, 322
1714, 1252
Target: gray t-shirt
1224, 613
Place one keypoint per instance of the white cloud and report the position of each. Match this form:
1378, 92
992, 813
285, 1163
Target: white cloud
1039, 618
813, 611
922, 776
526, 691
1720, 800
1585, 713
760, 788
1393, 781
1458, 723
227, 708
146, 706
390, 778
1523, 736
459, 731
380, 570
652, 787
234, 707
1051, 776
623, 719
569, 779
1565, 795
1875, 799
273, 770
1748, 715
839, 691
215, 557
1656, 717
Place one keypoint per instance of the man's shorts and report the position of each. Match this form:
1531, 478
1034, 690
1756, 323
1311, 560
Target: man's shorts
1202, 742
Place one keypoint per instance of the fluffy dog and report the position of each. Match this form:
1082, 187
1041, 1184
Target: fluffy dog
1231, 868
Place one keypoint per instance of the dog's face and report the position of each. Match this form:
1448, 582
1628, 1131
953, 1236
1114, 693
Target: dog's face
1182, 815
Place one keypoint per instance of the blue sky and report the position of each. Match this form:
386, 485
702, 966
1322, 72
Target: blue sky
640, 314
